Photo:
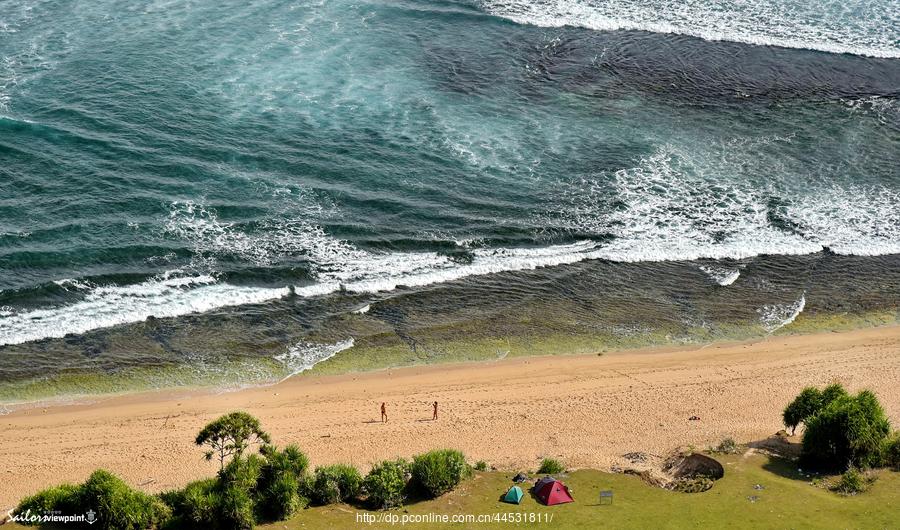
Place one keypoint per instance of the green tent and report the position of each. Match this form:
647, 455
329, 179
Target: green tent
514, 495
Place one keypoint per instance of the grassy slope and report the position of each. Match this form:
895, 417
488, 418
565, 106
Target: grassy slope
788, 501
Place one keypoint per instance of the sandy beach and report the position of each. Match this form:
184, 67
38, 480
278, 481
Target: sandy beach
587, 410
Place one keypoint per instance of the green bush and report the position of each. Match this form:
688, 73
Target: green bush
64, 498
481, 465
281, 481
437, 472
853, 481
349, 480
248, 488
809, 402
849, 431
386, 482
236, 508
242, 472
228, 501
116, 505
727, 446
197, 504
890, 452
325, 488
281, 498
335, 483
551, 466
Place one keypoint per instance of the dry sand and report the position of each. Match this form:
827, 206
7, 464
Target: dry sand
587, 410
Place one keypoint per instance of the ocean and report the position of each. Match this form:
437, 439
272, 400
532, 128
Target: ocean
224, 193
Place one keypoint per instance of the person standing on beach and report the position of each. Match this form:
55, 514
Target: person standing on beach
434, 418
383, 413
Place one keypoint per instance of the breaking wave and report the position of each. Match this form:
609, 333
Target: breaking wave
673, 206
107, 306
662, 214
859, 27
304, 355
723, 276
776, 316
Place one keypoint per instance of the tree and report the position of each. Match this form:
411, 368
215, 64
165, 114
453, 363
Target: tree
850, 430
810, 401
231, 435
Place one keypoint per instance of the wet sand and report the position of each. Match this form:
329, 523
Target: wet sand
586, 410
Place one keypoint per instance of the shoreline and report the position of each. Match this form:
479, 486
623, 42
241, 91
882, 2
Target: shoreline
585, 409
370, 355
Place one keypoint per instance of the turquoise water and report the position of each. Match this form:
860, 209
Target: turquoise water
276, 166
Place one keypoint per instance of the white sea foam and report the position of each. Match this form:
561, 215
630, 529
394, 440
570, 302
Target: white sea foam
861, 27
723, 276
851, 220
665, 215
106, 306
773, 317
363, 310
304, 355
666, 209
677, 205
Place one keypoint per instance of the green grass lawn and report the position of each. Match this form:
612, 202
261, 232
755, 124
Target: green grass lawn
788, 500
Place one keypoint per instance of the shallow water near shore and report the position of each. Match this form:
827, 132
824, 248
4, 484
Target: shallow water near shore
221, 194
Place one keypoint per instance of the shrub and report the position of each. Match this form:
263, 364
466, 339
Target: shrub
386, 483
64, 498
853, 481
325, 488
849, 431
228, 501
280, 482
236, 508
198, 503
481, 465
437, 472
349, 481
335, 483
118, 507
242, 472
890, 453
727, 446
809, 402
281, 498
551, 466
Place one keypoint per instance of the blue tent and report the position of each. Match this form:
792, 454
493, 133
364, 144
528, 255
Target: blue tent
514, 495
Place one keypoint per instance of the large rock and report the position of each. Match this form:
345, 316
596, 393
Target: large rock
694, 465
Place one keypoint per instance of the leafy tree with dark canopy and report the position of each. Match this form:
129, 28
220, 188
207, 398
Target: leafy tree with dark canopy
231, 435
848, 431
810, 401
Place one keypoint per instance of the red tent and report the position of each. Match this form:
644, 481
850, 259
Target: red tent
551, 491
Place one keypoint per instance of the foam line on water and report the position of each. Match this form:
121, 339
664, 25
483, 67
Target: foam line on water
112, 305
859, 27
776, 316
304, 355
723, 276
673, 206
667, 216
